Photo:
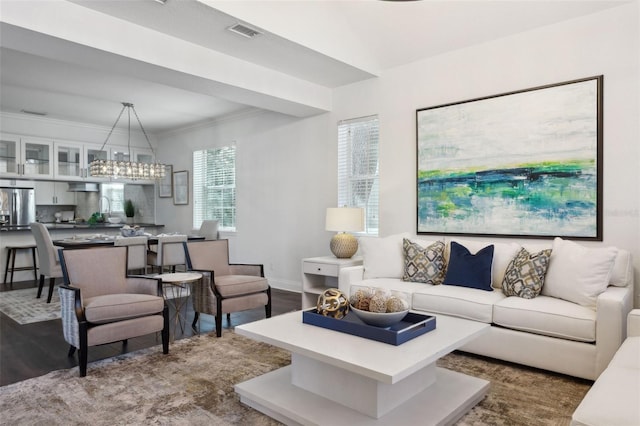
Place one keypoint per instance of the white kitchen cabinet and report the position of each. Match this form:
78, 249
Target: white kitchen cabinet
26, 157
72, 160
54, 193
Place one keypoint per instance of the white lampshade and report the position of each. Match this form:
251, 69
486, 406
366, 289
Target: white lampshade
345, 219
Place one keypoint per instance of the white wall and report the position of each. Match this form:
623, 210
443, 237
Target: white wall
605, 43
281, 180
286, 167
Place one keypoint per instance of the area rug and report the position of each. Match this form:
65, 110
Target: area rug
193, 385
23, 307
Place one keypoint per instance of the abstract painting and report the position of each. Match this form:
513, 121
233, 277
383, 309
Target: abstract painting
525, 163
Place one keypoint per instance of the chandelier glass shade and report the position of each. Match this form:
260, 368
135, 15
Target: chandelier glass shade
121, 169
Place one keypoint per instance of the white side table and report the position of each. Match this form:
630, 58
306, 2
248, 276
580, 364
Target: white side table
321, 273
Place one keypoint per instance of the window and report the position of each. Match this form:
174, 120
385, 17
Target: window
114, 194
358, 177
214, 187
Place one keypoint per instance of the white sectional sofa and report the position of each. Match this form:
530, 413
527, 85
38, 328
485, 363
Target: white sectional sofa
614, 399
573, 327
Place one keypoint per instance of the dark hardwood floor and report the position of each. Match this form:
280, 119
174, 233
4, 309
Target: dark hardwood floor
32, 350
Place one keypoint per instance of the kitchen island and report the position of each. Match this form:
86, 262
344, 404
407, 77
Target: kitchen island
16, 235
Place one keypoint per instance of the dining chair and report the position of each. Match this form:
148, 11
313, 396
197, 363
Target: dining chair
137, 253
100, 304
224, 287
170, 252
209, 230
48, 258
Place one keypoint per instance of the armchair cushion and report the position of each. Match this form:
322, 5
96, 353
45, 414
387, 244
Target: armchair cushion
240, 285
117, 307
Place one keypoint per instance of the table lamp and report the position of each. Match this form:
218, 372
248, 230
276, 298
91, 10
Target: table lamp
343, 220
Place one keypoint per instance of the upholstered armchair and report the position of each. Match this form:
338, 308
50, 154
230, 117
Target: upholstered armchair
225, 288
101, 304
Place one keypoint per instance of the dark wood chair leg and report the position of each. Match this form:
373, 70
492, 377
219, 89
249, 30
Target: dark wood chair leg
35, 266
82, 350
52, 283
40, 286
228, 318
195, 320
6, 268
219, 324
72, 350
165, 330
267, 307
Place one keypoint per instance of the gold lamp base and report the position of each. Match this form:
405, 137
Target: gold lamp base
343, 245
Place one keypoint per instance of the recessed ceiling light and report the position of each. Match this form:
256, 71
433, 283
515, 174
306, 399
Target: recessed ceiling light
161, 1
244, 30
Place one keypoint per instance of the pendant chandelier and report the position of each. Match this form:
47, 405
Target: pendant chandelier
133, 170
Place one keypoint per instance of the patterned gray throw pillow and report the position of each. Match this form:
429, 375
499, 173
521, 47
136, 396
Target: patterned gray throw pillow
524, 276
424, 264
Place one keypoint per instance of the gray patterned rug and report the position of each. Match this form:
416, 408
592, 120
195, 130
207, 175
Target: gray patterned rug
23, 307
193, 385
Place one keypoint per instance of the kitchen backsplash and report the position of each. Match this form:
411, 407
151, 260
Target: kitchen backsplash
143, 197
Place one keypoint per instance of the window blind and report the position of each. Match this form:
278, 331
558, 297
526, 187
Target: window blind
214, 186
358, 174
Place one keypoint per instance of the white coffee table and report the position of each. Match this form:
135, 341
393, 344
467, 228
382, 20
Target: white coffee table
336, 378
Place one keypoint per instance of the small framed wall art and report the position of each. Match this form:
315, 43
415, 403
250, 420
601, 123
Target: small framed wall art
181, 187
165, 185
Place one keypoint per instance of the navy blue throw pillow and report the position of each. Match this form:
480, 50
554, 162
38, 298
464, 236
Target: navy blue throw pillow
469, 270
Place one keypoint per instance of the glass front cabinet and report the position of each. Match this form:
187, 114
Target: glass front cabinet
26, 157
73, 160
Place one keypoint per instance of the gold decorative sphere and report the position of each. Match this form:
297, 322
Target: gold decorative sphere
332, 303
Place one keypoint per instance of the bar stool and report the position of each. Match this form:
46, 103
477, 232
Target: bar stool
12, 251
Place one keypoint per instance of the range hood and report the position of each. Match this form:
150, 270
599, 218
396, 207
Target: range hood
83, 187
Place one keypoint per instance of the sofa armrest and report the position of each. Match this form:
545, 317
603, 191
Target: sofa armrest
633, 323
349, 276
612, 308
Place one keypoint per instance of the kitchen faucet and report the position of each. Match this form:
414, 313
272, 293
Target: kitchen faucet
108, 205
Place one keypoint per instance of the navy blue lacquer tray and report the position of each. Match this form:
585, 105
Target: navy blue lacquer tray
412, 326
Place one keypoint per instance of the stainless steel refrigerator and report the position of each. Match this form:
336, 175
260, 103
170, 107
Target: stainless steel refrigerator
17, 206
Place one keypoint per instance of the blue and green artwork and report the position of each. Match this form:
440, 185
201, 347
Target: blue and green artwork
520, 164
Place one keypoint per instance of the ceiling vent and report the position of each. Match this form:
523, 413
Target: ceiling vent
25, 111
244, 31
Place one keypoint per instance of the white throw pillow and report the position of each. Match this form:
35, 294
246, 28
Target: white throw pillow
577, 273
383, 257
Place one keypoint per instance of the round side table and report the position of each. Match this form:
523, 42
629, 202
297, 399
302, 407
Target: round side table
179, 285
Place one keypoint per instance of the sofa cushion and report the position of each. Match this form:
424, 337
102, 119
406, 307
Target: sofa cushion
503, 253
459, 302
525, 274
240, 285
622, 273
547, 316
424, 264
117, 307
469, 270
577, 273
382, 257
